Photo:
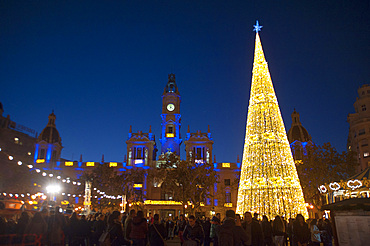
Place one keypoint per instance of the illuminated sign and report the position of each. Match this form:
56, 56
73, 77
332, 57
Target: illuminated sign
170, 135
138, 185
64, 202
112, 164
228, 205
40, 160
225, 164
87, 203
160, 202
68, 163
90, 164
139, 161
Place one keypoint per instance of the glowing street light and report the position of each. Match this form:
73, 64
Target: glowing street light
53, 189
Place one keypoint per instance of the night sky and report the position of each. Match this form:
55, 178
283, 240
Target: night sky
102, 66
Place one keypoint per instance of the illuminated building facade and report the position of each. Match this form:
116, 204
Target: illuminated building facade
298, 138
44, 154
198, 146
171, 117
359, 128
17, 144
141, 148
49, 143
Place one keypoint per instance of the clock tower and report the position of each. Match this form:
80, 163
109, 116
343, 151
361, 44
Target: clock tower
171, 117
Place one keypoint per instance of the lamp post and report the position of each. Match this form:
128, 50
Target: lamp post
53, 189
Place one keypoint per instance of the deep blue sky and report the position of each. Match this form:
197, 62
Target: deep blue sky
102, 66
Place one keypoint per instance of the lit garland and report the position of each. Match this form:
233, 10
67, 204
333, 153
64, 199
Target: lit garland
47, 174
269, 183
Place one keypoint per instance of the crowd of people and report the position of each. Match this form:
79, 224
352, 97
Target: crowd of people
134, 228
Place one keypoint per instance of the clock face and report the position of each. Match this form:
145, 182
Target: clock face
170, 107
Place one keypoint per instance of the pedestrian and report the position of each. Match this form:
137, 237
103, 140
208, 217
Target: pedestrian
315, 233
181, 226
115, 229
327, 233
193, 233
170, 225
139, 229
301, 233
22, 223
37, 226
215, 222
156, 232
76, 232
267, 231
56, 224
253, 230
278, 231
207, 231
231, 233
127, 225
98, 228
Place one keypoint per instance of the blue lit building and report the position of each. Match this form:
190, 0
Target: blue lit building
298, 138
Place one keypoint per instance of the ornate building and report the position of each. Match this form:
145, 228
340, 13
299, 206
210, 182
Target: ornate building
359, 128
44, 156
48, 147
298, 138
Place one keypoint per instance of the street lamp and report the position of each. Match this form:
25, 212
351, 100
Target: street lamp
53, 189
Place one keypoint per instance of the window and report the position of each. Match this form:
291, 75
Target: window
90, 164
361, 132
227, 182
227, 197
170, 129
139, 153
42, 154
199, 153
363, 107
54, 155
366, 154
225, 164
112, 164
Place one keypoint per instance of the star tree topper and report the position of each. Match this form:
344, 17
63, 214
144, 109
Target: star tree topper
257, 27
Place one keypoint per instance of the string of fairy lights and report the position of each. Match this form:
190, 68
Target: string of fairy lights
269, 182
48, 174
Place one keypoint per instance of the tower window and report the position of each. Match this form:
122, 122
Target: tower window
361, 132
227, 182
170, 129
363, 107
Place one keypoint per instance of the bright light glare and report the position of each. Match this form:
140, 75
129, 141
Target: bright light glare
53, 188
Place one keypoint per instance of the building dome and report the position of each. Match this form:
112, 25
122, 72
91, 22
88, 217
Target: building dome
297, 131
50, 133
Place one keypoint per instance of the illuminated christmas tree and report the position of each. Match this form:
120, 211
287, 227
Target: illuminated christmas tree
269, 183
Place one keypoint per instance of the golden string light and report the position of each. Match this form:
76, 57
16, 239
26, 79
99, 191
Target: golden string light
269, 183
